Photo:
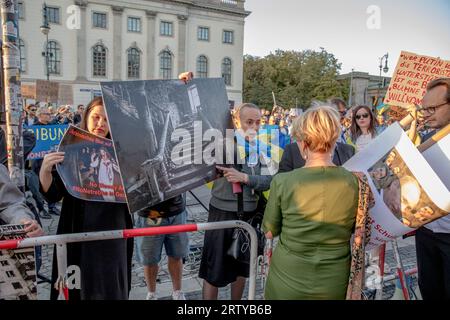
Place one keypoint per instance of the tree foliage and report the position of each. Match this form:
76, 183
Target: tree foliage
296, 78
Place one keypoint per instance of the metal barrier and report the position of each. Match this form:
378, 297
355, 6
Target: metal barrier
61, 244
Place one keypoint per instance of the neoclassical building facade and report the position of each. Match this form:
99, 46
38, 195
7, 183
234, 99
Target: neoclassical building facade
107, 40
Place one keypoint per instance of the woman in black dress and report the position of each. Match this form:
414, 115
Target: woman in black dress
105, 265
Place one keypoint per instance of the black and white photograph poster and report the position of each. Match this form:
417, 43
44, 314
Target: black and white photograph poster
90, 170
17, 267
161, 131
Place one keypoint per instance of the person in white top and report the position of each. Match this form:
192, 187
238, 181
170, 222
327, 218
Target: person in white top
363, 129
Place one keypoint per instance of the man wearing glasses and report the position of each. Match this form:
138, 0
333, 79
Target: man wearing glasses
433, 240
31, 118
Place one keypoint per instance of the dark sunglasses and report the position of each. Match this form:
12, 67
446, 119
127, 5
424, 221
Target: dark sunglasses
33, 110
359, 116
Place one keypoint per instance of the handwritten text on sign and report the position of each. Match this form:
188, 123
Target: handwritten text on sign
411, 76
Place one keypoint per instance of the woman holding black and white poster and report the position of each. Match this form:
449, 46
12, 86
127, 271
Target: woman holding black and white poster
105, 265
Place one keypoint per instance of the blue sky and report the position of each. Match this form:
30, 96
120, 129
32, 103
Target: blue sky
340, 26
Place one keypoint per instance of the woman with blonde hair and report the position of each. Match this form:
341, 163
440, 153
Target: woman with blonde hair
313, 210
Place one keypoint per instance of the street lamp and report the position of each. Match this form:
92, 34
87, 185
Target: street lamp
385, 70
45, 29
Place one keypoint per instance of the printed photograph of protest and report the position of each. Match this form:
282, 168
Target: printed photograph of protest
90, 170
402, 193
172, 118
17, 267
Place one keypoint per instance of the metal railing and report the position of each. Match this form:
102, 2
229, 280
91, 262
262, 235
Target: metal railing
61, 242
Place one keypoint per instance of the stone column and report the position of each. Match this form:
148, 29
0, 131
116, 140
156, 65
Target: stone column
81, 43
151, 34
181, 43
117, 43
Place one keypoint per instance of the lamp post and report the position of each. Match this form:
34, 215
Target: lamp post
385, 70
45, 29
351, 90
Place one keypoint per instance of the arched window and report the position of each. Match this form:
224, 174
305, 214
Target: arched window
134, 63
226, 71
54, 57
202, 67
165, 65
99, 60
23, 56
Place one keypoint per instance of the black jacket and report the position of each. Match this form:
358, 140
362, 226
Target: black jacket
292, 159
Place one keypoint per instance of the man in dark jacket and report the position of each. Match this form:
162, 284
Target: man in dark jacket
292, 158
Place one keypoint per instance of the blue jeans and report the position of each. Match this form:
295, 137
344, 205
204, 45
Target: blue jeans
149, 248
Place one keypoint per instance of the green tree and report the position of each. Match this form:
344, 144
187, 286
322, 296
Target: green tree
296, 78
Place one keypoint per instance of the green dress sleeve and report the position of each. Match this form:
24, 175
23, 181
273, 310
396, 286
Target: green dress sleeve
272, 214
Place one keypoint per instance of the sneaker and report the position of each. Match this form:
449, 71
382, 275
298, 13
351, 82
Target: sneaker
151, 296
178, 295
44, 214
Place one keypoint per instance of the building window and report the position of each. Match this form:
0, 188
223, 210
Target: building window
16, 285
202, 67
99, 61
99, 20
20, 9
226, 71
54, 57
165, 65
203, 33
4, 263
166, 28
228, 36
134, 24
134, 63
53, 15
10, 274
22, 56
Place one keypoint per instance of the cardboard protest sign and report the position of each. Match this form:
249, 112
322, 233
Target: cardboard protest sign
28, 91
65, 94
90, 170
163, 130
17, 267
408, 192
47, 91
411, 76
48, 138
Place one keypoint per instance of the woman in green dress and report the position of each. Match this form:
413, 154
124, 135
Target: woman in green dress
312, 210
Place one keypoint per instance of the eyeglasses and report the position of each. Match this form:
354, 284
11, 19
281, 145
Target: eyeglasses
33, 110
359, 116
343, 113
432, 109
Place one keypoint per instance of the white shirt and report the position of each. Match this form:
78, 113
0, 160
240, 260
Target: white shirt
362, 141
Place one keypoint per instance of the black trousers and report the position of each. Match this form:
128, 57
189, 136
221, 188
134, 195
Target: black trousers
433, 262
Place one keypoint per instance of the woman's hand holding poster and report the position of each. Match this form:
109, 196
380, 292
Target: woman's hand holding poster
408, 193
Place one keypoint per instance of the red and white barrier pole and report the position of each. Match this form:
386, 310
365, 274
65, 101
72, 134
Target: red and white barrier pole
61, 240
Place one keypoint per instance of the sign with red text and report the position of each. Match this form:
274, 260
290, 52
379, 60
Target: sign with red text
90, 170
411, 77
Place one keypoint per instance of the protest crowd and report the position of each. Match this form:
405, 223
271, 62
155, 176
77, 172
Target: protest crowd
316, 207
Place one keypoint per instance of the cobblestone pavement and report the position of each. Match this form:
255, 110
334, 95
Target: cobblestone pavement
192, 285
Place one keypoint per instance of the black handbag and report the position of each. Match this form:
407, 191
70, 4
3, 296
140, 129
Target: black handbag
240, 244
